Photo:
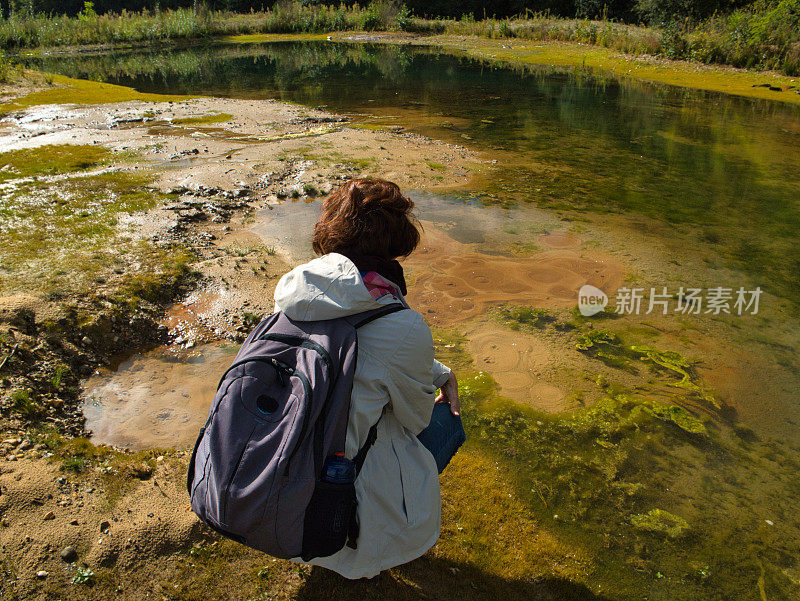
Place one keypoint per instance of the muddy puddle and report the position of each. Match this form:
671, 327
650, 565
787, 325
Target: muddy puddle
158, 399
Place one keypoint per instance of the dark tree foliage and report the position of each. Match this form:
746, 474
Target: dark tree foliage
632, 11
658, 12
618, 10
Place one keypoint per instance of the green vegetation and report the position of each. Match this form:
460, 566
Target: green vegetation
45, 29
60, 227
83, 576
763, 34
302, 17
48, 26
204, 119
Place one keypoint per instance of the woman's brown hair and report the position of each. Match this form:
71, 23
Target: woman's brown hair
367, 217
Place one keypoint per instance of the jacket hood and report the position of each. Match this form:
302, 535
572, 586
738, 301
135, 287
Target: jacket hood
324, 288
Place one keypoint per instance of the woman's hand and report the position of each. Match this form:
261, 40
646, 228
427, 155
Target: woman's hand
449, 394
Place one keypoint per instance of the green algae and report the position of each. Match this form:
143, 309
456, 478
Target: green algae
680, 417
596, 338
662, 522
519, 317
609, 348
678, 364
592, 478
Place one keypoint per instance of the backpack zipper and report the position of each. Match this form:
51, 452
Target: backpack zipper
307, 389
301, 341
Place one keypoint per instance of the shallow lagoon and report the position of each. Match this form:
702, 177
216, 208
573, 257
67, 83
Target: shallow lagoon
682, 188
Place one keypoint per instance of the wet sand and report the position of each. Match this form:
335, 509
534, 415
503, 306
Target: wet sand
453, 283
520, 364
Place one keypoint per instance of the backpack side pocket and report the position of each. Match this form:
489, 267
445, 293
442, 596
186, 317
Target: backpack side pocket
328, 518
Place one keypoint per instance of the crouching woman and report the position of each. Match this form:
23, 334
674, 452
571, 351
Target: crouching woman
365, 226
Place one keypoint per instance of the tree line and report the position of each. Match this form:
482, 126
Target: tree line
653, 12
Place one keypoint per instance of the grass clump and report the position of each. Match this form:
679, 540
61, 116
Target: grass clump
52, 159
118, 472
23, 403
300, 17
204, 119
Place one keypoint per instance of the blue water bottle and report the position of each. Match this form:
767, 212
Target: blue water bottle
339, 469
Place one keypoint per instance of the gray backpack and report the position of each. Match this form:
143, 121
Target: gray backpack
280, 410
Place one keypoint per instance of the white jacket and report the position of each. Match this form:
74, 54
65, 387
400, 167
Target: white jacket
399, 505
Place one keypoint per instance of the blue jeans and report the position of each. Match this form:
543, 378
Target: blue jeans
443, 436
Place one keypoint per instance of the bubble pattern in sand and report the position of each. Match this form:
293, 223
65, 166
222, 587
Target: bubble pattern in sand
519, 364
453, 283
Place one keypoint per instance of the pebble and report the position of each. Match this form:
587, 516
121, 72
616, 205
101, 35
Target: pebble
50, 516
69, 555
41, 574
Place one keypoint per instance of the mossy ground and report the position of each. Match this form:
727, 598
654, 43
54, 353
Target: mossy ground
204, 119
61, 227
66, 90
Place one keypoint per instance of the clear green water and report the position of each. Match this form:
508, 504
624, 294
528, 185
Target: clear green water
707, 183
728, 167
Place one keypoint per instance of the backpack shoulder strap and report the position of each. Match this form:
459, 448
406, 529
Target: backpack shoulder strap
362, 319
372, 436
357, 321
